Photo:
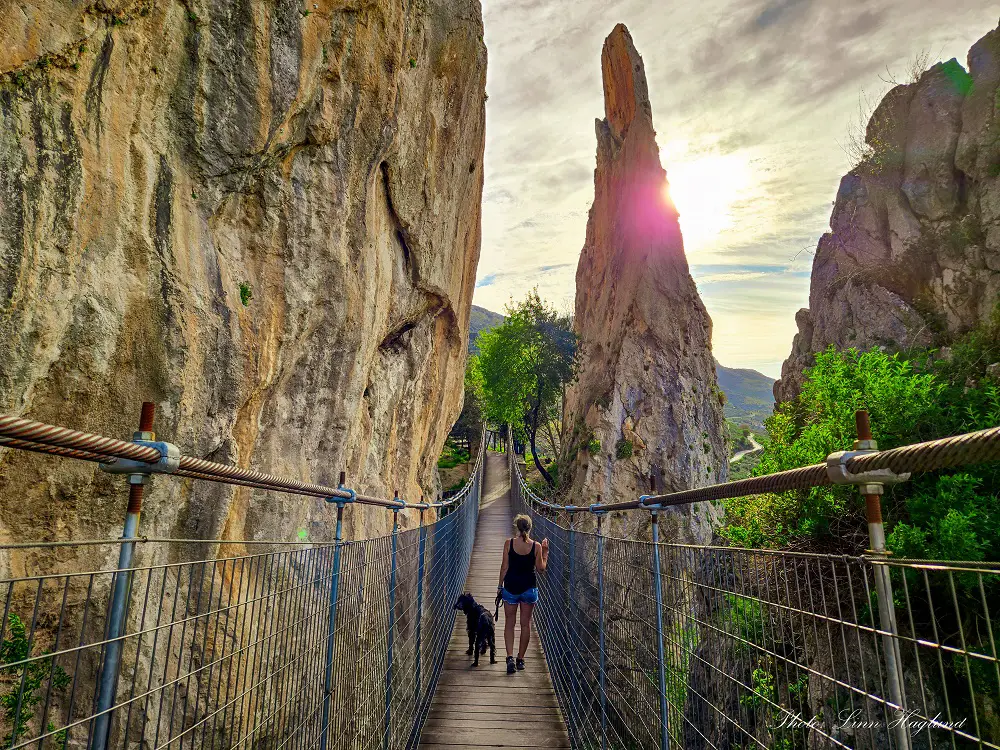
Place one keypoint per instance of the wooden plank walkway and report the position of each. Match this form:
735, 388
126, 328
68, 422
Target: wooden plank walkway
484, 706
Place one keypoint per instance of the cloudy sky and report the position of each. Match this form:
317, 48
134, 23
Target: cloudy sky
752, 102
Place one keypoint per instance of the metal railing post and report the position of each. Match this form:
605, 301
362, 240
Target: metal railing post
420, 605
108, 680
334, 583
600, 625
883, 588
661, 661
387, 732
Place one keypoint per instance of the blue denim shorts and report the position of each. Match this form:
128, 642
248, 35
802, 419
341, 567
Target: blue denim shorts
528, 597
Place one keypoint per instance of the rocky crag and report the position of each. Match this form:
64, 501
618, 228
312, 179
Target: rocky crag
646, 400
913, 255
264, 217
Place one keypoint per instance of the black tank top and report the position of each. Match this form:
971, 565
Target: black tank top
520, 571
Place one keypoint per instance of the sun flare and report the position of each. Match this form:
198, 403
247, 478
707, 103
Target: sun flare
705, 188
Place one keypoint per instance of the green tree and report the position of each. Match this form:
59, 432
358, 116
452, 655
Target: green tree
523, 368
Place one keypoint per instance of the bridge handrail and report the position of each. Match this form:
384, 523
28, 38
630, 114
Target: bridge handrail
960, 450
653, 644
40, 437
92, 655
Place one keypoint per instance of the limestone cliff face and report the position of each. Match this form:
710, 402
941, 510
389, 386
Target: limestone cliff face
154, 157
647, 386
913, 255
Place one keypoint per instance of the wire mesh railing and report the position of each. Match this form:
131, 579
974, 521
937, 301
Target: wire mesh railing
659, 645
233, 643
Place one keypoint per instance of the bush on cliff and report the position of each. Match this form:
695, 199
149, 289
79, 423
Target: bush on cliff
947, 515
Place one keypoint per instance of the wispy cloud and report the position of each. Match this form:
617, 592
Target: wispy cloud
771, 84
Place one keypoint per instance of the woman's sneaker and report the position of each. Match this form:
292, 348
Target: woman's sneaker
510, 665
520, 665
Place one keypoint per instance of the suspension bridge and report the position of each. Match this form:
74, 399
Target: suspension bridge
148, 643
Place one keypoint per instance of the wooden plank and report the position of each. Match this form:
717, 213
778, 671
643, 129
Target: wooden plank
478, 707
513, 736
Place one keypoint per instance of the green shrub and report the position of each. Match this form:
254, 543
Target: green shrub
948, 515
623, 449
452, 455
593, 446
246, 293
763, 689
33, 675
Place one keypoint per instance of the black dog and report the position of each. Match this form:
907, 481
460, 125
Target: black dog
479, 625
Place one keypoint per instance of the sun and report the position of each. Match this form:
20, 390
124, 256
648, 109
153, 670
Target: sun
705, 188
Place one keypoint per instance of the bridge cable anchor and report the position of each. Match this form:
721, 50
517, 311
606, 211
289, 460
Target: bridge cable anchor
868, 482
140, 471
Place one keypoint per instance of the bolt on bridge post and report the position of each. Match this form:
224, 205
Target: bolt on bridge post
658, 586
108, 680
387, 731
334, 584
883, 587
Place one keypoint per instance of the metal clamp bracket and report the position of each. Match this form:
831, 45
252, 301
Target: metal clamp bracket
596, 509
170, 459
342, 501
869, 482
652, 507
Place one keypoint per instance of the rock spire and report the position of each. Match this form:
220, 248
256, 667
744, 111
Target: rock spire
646, 399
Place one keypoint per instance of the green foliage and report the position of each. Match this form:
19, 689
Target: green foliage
246, 293
953, 519
593, 446
18, 703
763, 689
744, 468
950, 516
623, 449
452, 455
684, 642
958, 76
739, 436
413, 62
744, 616
523, 367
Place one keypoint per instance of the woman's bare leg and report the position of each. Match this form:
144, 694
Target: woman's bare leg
509, 618
526, 610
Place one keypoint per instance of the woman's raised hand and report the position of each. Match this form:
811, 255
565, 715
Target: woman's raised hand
545, 546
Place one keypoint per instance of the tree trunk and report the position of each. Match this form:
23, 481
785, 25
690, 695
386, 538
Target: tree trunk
556, 449
532, 433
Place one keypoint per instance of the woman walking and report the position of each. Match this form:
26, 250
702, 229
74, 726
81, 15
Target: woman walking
518, 588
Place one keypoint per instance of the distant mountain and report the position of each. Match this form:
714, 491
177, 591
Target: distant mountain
749, 398
481, 320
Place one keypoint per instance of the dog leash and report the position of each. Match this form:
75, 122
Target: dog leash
496, 615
